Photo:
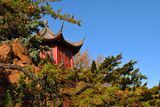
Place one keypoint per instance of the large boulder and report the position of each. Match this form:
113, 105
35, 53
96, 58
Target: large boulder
21, 52
5, 50
14, 53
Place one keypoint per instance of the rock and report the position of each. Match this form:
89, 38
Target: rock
5, 50
17, 54
21, 52
22, 58
14, 76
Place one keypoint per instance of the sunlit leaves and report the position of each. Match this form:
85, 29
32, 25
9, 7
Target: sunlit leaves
20, 18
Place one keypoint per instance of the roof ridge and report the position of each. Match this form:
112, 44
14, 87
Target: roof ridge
52, 34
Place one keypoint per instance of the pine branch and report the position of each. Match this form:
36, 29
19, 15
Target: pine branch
83, 89
19, 68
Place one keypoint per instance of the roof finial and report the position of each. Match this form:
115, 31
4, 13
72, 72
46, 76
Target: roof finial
62, 27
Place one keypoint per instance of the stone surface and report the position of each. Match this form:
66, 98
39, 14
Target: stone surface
14, 76
5, 50
21, 52
14, 53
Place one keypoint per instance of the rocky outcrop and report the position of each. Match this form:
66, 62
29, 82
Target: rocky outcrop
14, 53
21, 52
5, 50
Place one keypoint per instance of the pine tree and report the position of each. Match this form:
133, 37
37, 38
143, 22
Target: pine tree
8, 100
21, 18
113, 84
124, 77
93, 66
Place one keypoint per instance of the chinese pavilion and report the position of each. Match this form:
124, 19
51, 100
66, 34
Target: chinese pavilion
61, 51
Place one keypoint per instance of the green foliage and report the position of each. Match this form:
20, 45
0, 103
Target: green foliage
57, 86
93, 66
8, 100
110, 84
20, 18
125, 76
34, 92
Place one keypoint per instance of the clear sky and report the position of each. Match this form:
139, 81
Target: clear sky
131, 27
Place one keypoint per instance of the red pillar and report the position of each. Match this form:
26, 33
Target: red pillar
55, 54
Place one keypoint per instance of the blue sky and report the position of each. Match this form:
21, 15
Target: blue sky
131, 27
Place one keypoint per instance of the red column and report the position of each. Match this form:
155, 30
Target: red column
55, 54
71, 61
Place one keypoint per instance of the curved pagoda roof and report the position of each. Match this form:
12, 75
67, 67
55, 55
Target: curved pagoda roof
48, 36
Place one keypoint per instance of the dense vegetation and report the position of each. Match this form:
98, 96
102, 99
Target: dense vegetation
104, 83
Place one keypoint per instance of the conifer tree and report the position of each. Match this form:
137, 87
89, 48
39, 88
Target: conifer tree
125, 76
8, 100
93, 66
20, 18
113, 84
